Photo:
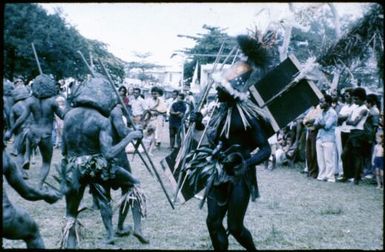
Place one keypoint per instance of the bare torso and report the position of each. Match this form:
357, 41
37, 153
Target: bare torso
82, 132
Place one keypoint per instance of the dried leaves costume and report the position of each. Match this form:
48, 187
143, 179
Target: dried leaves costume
227, 166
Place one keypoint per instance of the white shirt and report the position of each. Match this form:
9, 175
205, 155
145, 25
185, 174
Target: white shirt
158, 104
138, 106
346, 110
356, 112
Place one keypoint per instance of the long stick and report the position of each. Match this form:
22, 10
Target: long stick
36, 58
88, 66
186, 144
199, 107
141, 143
124, 107
187, 139
180, 186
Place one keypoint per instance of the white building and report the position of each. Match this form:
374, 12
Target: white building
167, 76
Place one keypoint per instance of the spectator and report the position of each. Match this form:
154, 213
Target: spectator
149, 139
177, 112
190, 100
282, 146
170, 101
59, 122
325, 144
343, 131
123, 94
154, 114
370, 128
354, 146
336, 105
273, 141
138, 106
378, 160
208, 110
18, 82
311, 138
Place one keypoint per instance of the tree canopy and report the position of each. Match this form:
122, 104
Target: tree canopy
207, 43
57, 44
343, 44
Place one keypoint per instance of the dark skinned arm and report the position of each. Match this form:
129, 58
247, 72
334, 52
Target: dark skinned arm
18, 122
15, 179
264, 151
105, 139
118, 123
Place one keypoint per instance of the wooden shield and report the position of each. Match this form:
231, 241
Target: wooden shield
281, 99
168, 164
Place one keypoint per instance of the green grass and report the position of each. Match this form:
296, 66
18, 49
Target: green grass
294, 212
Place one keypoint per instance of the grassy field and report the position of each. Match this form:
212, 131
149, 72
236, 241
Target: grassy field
293, 212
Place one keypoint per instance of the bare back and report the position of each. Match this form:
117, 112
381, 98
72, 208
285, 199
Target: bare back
85, 132
43, 111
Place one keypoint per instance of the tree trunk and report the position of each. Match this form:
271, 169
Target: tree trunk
336, 20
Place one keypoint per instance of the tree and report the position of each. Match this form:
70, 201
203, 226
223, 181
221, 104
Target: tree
363, 41
143, 66
56, 43
207, 43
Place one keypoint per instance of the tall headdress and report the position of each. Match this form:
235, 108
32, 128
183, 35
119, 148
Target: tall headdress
7, 87
20, 93
43, 86
234, 79
96, 93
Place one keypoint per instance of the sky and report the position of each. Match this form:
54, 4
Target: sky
153, 27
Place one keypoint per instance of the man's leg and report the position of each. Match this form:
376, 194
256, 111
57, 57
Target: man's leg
329, 159
172, 136
136, 215
103, 199
238, 202
312, 154
346, 155
215, 217
73, 198
123, 211
21, 227
321, 157
178, 138
46, 149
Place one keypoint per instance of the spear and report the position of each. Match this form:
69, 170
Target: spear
88, 66
124, 107
141, 143
187, 141
36, 58
203, 135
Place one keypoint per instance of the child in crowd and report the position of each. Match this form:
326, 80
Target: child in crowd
149, 139
378, 160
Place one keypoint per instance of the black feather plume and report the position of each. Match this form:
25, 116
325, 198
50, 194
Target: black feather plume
255, 50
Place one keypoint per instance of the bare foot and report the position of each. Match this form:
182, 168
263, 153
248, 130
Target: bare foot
110, 240
125, 231
141, 237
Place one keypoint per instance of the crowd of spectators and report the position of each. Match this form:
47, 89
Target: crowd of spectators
338, 140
